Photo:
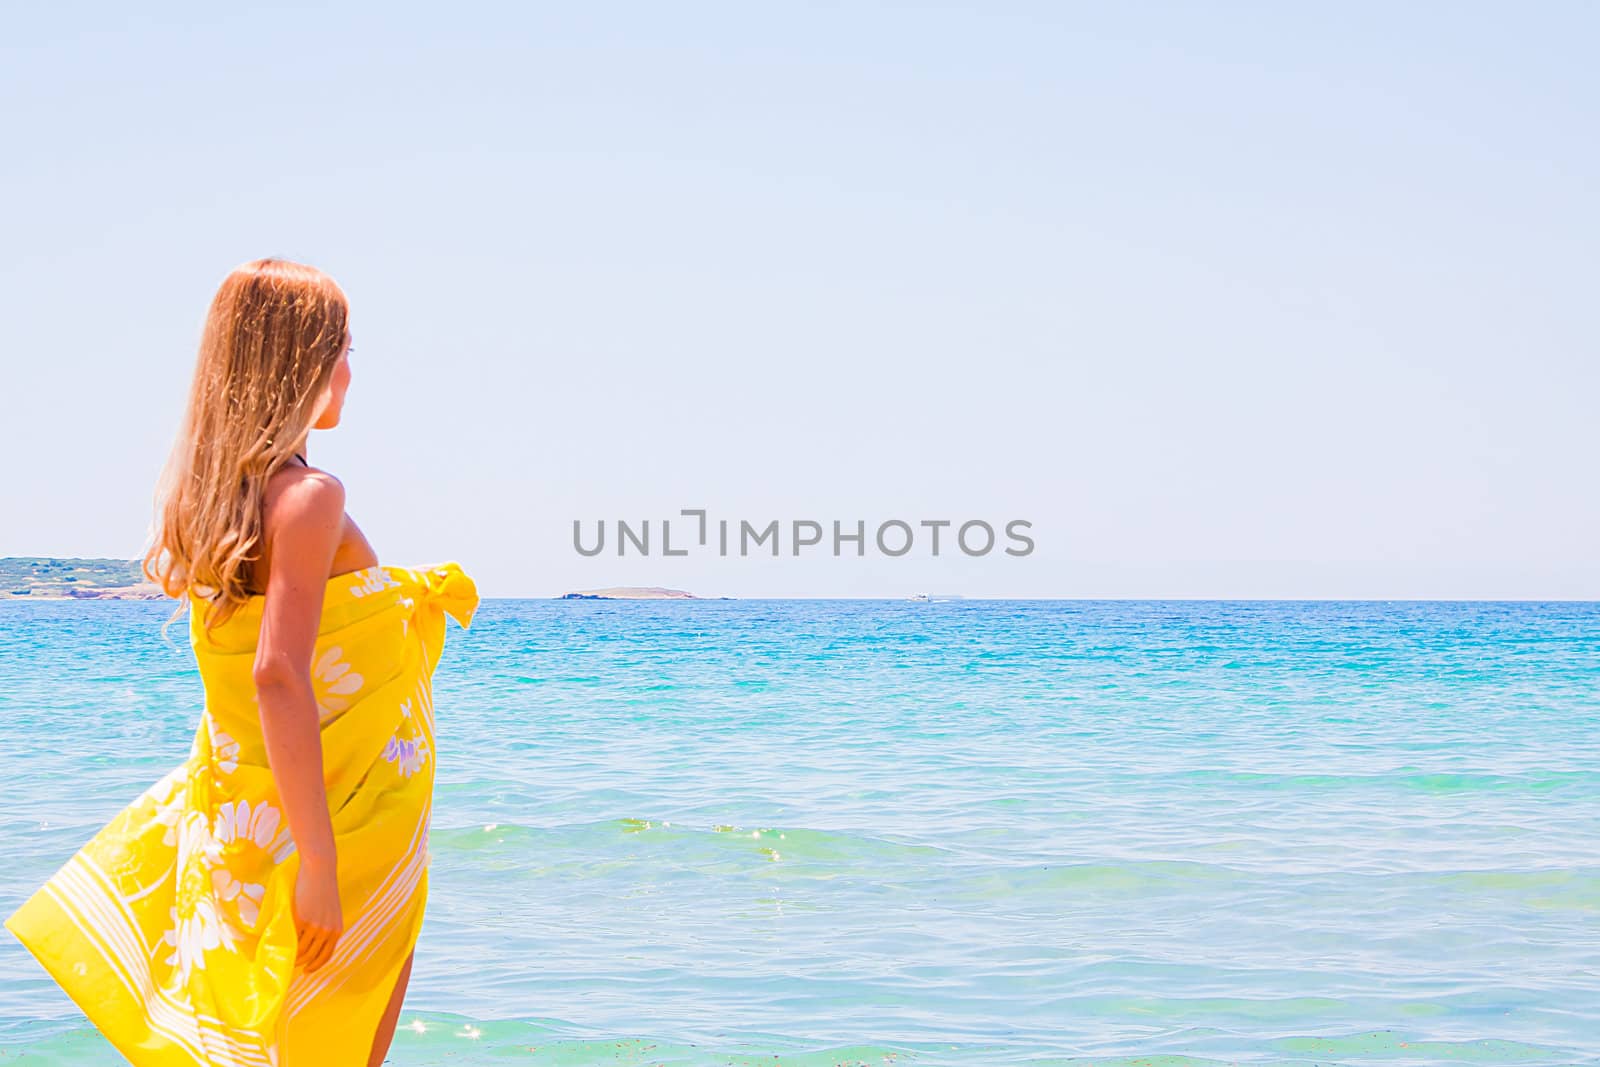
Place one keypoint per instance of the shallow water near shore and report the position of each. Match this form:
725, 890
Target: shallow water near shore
959, 832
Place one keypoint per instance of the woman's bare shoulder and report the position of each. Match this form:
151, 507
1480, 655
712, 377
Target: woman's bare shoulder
302, 515
297, 494
304, 510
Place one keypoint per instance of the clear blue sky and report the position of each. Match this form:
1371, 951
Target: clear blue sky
1227, 299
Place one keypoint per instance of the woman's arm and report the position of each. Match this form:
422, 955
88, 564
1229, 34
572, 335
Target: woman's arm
303, 526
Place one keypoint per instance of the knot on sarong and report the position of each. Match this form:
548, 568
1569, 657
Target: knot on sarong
452, 589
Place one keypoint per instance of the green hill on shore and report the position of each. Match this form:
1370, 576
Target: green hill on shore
44, 578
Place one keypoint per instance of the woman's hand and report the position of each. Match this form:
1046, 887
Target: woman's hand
318, 916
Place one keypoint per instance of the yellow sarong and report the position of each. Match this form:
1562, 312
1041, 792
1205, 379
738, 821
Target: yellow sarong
173, 929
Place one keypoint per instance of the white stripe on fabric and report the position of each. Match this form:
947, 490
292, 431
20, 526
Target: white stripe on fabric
426, 678
391, 893
398, 882
162, 1016
355, 947
132, 926
357, 938
160, 1007
69, 909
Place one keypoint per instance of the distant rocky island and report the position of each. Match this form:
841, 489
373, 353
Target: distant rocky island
630, 592
43, 578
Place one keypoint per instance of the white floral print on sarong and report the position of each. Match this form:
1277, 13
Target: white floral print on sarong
335, 682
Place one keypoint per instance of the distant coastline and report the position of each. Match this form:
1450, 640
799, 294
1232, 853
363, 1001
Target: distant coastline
45, 578
50, 578
630, 592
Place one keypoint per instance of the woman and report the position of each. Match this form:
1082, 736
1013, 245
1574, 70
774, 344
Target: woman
259, 905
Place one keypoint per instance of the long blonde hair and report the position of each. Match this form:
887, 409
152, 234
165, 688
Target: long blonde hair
272, 339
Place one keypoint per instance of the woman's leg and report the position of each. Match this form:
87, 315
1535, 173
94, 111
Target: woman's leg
391, 1016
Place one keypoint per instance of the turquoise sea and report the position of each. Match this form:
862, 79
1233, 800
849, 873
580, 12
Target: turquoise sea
829, 833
